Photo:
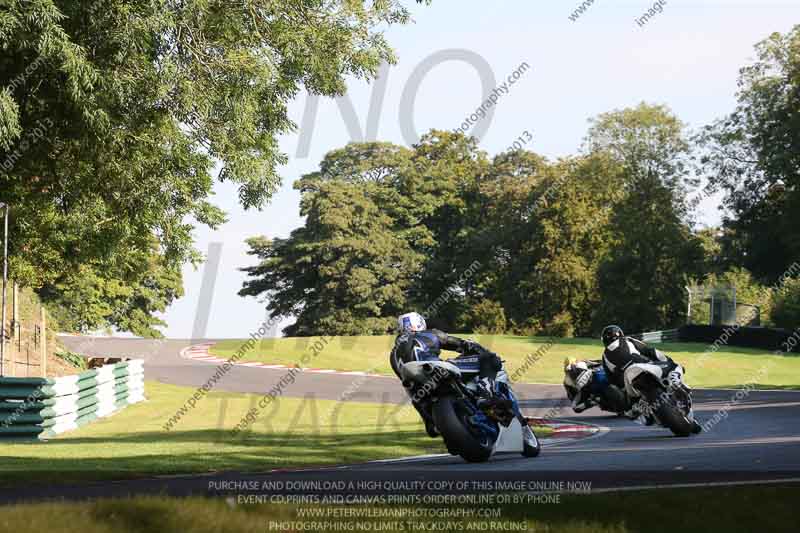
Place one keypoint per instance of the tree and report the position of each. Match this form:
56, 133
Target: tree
499, 230
448, 168
384, 232
785, 312
348, 271
127, 297
541, 234
653, 252
114, 115
753, 155
485, 317
513, 243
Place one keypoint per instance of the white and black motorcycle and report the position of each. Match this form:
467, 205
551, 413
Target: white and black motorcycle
665, 401
473, 421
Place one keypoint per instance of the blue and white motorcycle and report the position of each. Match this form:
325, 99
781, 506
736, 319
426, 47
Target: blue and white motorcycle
596, 392
474, 421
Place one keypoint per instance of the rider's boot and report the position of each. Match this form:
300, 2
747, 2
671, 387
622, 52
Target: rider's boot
640, 412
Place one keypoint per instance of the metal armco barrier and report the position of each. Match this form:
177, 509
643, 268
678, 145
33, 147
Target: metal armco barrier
657, 337
41, 408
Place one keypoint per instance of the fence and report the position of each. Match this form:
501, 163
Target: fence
720, 306
25, 334
41, 408
746, 337
656, 337
762, 338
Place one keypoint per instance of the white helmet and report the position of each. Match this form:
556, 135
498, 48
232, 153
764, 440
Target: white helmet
411, 322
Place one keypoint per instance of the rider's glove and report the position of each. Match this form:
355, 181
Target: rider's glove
472, 347
675, 378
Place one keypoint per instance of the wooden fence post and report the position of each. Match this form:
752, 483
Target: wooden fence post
43, 339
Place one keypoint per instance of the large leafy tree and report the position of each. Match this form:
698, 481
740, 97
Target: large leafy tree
499, 232
128, 296
753, 155
384, 231
550, 247
653, 251
348, 270
571, 238
448, 168
113, 115
540, 235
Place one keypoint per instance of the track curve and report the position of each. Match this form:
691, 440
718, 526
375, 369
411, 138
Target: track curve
758, 440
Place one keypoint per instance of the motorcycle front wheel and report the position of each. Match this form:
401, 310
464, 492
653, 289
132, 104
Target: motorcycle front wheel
668, 414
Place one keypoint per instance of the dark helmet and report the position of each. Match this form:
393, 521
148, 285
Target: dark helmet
610, 334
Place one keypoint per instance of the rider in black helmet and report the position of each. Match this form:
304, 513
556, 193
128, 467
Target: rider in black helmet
624, 358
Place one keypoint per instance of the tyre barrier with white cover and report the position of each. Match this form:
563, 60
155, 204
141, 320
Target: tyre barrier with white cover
41, 408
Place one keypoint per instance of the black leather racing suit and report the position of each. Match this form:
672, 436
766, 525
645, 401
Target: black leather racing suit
624, 352
428, 345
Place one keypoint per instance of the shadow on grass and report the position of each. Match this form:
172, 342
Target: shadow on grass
712, 509
730, 509
216, 450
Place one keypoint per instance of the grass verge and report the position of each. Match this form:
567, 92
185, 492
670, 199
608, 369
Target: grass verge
732, 510
535, 360
291, 432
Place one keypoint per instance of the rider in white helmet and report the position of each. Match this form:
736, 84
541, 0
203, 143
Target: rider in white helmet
415, 342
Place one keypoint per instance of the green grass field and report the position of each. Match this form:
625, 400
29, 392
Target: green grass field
729, 367
738, 509
290, 432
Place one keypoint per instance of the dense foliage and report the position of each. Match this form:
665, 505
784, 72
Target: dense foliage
516, 243
753, 155
113, 115
564, 246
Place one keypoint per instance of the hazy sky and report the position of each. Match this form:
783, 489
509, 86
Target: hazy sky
686, 57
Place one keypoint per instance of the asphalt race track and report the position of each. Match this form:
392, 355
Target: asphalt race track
759, 440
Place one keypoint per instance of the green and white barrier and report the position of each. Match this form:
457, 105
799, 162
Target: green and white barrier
42, 408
